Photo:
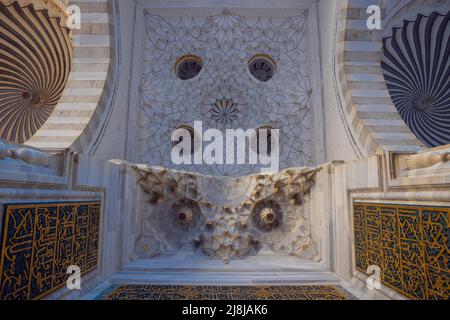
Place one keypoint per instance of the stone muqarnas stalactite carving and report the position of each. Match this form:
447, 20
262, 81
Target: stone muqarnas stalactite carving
278, 207
35, 61
417, 73
174, 213
227, 236
270, 214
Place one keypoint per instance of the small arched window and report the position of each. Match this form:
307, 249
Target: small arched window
192, 135
188, 66
262, 67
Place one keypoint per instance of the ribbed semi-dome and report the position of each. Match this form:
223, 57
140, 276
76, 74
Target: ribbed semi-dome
35, 61
417, 73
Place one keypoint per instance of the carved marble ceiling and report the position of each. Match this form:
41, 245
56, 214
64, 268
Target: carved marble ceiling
225, 43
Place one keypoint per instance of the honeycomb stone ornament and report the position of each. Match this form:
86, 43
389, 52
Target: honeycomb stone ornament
240, 218
227, 238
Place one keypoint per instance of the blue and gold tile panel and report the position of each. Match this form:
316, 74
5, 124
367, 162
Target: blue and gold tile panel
40, 242
410, 244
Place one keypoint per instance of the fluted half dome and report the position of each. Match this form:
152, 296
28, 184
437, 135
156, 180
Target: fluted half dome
35, 61
417, 73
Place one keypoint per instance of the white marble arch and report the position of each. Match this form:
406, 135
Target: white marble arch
301, 143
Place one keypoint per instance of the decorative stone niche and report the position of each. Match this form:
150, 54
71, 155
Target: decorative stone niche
185, 212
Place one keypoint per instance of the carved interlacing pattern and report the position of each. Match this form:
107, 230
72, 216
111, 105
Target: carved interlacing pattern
225, 43
41, 241
410, 245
